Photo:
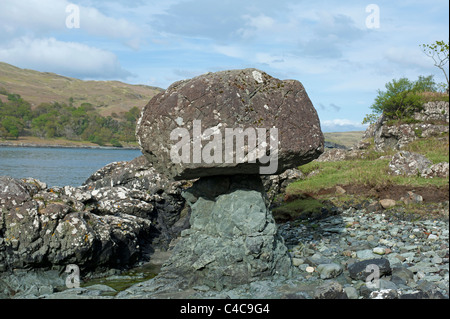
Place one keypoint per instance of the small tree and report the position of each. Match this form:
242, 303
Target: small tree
401, 99
439, 52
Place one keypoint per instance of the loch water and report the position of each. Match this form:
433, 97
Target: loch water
59, 166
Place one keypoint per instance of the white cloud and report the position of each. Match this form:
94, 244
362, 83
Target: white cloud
232, 51
256, 25
67, 58
48, 17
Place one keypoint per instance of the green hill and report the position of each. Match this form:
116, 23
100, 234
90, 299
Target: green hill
108, 97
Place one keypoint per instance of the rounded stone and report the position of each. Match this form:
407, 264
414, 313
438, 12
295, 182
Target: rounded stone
192, 129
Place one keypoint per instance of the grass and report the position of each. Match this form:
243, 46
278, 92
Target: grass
370, 172
373, 173
436, 149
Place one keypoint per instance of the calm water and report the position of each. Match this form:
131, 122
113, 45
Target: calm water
59, 166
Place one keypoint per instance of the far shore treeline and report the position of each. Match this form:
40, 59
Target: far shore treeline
63, 120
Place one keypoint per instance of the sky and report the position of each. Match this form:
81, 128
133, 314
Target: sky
342, 52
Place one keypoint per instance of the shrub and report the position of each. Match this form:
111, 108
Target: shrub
401, 99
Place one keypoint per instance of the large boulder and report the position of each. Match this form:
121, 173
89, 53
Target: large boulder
195, 117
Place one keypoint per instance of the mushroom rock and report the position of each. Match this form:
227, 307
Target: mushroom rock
225, 129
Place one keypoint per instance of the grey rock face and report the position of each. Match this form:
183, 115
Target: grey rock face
434, 111
43, 228
233, 238
434, 117
121, 213
408, 163
246, 99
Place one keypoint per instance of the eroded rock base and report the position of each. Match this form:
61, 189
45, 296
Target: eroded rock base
232, 240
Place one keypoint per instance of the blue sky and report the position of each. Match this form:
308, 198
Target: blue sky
335, 48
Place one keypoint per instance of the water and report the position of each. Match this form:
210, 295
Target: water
59, 166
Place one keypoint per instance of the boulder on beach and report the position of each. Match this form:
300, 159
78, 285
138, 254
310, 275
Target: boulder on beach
230, 122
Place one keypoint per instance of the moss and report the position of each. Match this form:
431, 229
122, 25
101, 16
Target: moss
300, 208
125, 280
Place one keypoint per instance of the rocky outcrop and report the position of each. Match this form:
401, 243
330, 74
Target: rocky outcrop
434, 111
397, 136
413, 164
41, 227
137, 188
433, 121
122, 213
235, 100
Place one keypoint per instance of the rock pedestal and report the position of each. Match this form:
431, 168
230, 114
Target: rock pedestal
233, 238
228, 128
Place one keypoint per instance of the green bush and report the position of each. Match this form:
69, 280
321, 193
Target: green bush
401, 99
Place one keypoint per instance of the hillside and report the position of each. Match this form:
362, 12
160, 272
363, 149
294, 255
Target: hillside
347, 139
107, 97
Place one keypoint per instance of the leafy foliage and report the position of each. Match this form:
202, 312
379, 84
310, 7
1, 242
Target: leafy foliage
439, 52
54, 120
401, 99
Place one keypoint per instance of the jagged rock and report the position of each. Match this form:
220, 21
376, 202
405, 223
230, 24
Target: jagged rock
15, 192
436, 170
408, 163
136, 188
434, 111
41, 228
276, 184
245, 99
123, 212
396, 137
433, 115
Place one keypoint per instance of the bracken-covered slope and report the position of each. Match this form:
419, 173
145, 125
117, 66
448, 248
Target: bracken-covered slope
107, 96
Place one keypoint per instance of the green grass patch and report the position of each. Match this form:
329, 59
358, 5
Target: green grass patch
299, 208
372, 173
436, 149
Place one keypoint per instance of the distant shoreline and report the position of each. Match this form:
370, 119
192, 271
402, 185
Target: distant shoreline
55, 145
